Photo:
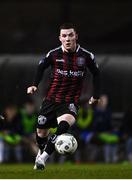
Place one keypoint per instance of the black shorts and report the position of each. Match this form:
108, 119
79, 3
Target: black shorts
50, 111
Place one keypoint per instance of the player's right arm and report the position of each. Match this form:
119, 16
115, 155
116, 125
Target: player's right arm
43, 64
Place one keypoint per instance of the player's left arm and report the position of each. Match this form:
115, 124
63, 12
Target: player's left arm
94, 69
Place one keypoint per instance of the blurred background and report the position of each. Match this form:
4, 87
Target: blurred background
28, 30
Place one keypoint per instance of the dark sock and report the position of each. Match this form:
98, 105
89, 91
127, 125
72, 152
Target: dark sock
41, 142
62, 128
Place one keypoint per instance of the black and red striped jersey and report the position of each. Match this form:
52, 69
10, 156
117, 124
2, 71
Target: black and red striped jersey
68, 70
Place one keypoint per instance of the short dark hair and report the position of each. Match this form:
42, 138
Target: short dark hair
68, 25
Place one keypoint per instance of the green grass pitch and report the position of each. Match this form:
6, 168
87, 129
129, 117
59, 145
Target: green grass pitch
67, 171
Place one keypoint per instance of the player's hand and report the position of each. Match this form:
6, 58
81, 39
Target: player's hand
94, 101
31, 89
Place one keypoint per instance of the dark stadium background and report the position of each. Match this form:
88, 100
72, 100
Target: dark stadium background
28, 29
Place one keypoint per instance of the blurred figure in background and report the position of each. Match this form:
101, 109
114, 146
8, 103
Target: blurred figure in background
127, 127
105, 133
84, 131
1, 139
29, 115
12, 133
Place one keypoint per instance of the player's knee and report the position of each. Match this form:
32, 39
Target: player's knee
70, 119
42, 132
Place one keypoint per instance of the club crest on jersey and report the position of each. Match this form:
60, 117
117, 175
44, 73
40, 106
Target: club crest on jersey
80, 61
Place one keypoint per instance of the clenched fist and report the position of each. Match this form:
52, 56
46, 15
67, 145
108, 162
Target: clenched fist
93, 101
31, 89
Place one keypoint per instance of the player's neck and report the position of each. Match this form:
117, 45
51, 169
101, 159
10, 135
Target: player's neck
70, 50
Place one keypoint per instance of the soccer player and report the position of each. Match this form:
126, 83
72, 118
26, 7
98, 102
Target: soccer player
69, 63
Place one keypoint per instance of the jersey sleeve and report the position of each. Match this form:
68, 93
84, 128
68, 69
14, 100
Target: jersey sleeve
43, 64
94, 69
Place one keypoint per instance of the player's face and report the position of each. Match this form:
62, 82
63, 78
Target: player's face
68, 39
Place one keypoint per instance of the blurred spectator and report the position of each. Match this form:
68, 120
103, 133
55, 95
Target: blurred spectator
1, 139
106, 134
1, 149
127, 125
12, 133
82, 129
29, 115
